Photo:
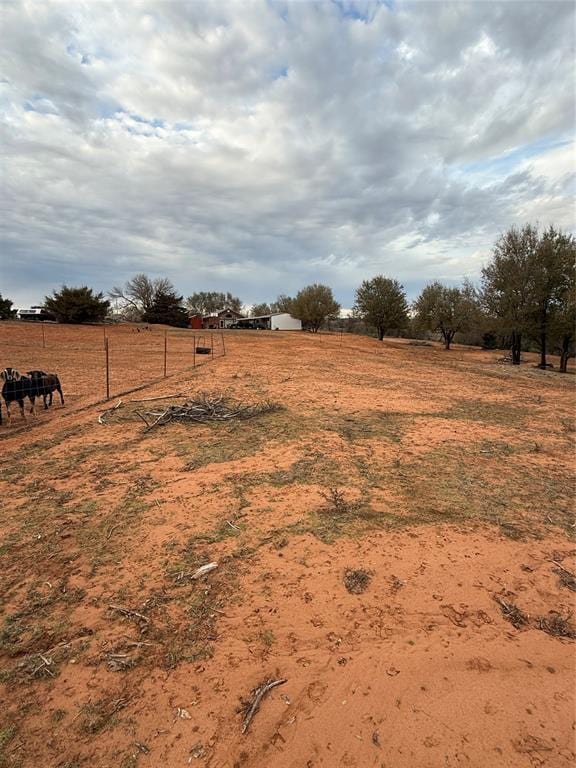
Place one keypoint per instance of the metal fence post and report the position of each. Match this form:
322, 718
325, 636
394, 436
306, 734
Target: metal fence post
212, 343
165, 352
223, 344
194, 355
107, 369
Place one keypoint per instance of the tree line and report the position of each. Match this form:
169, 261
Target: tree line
527, 295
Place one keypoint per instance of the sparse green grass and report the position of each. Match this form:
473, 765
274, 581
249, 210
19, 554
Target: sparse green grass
215, 443
7, 734
388, 425
8, 543
41, 623
502, 414
339, 517
568, 425
267, 638
99, 537
100, 715
448, 485
328, 526
221, 531
187, 631
316, 468
499, 448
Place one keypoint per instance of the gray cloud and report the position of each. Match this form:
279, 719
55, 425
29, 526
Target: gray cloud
259, 146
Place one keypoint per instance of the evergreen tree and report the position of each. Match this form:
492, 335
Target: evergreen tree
6, 311
167, 308
77, 305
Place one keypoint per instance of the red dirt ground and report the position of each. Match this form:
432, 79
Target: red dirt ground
445, 477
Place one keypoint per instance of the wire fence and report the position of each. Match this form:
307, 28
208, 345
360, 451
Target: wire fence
100, 362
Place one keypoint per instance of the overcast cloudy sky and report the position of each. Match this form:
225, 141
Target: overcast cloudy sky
260, 146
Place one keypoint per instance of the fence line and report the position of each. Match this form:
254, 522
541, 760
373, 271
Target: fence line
125, 361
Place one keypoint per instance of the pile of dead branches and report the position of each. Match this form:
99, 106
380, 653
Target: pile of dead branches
204, 408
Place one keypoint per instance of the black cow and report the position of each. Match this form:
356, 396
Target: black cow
14, 390
44, 385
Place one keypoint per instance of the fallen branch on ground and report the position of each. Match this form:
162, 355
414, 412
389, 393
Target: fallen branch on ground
142, 417
43, 668
159, 397
131, 614
203, 570
259, 694
206, 407
200, 409
107, 411
111, 531
512, 613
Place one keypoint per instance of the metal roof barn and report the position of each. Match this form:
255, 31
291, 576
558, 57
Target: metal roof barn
276, 321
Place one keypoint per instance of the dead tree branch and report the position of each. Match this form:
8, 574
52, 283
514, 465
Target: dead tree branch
259, 694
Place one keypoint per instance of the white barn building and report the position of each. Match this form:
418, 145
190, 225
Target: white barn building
276, 321
283, 321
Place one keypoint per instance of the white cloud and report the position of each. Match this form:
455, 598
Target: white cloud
259, 146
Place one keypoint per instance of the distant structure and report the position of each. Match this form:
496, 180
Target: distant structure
34, 314
223, 319
275, 321
229, 318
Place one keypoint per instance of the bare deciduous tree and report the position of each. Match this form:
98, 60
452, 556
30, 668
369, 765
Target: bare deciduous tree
139, 293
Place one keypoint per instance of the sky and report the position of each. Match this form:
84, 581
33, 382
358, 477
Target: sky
257, 147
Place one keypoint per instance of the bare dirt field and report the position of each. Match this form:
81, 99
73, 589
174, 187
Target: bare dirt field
396, 544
